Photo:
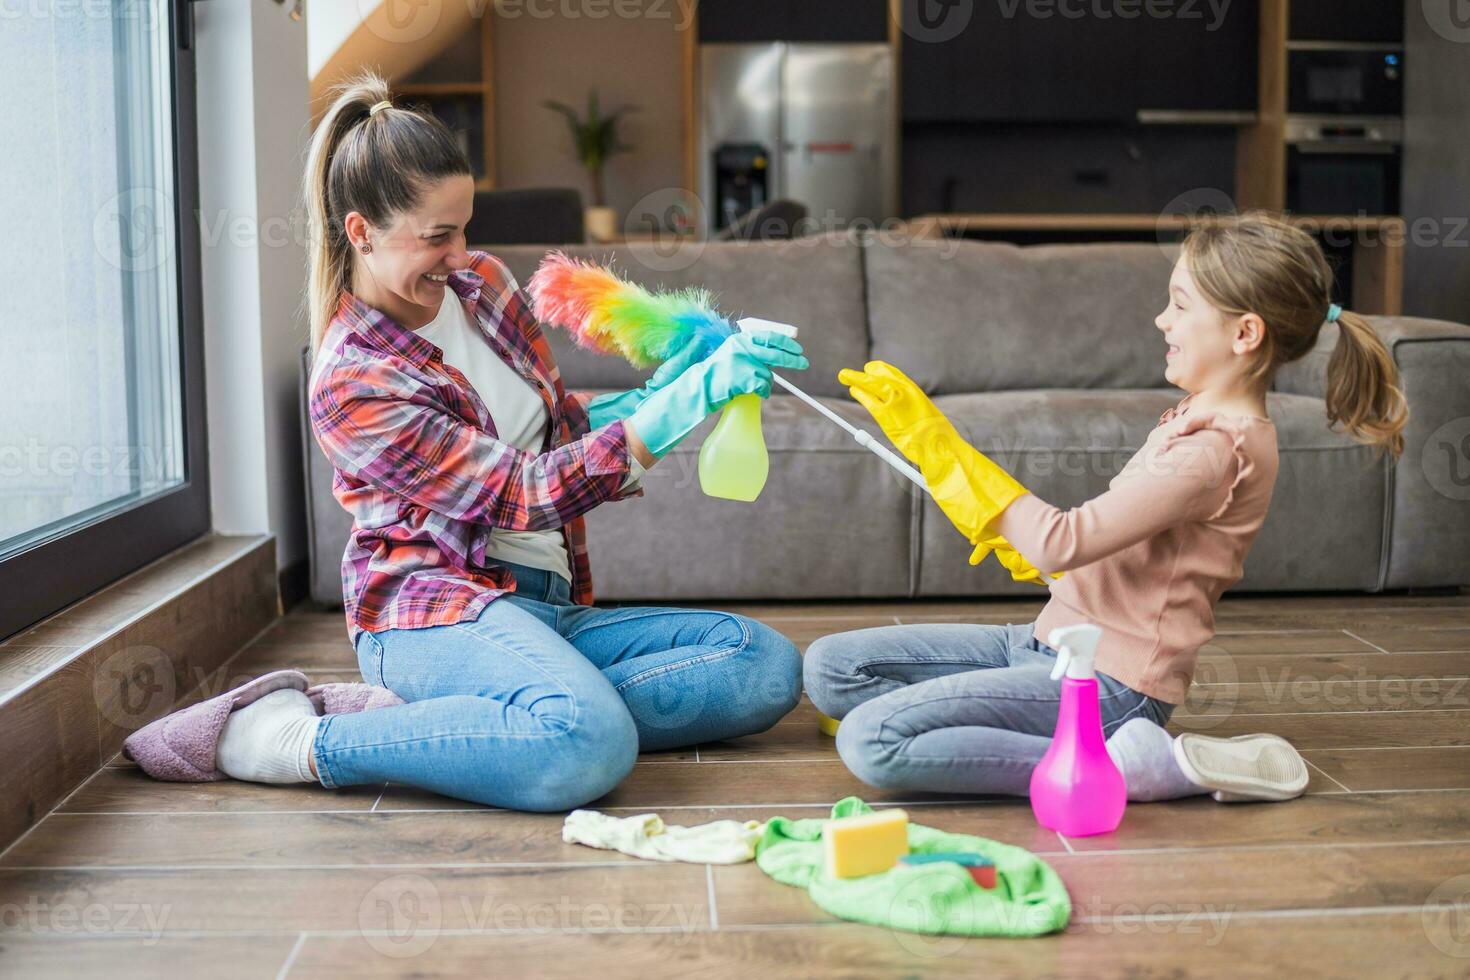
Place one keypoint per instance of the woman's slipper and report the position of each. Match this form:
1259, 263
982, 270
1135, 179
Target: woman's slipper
348, 697
180, 747
1243, 768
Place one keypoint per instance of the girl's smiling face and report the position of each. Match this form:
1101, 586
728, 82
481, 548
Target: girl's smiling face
408, 269
1208, 348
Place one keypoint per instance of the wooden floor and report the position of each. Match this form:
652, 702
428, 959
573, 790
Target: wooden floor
1368, 874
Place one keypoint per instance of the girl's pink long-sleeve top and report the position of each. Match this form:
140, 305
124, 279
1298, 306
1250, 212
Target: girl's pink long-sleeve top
1147, 560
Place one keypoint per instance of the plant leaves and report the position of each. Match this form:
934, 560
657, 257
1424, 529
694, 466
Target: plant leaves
595, 137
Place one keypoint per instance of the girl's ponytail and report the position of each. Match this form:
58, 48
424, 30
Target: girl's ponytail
375, 163
1258, 263
1362, 393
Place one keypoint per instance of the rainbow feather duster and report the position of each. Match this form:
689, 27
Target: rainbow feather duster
607, 314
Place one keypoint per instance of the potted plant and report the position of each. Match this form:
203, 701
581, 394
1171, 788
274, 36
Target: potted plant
596, 139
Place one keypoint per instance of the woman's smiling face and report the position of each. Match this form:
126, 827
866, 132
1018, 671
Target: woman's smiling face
407, 271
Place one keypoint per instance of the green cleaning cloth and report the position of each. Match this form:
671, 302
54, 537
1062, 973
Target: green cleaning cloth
1029, 898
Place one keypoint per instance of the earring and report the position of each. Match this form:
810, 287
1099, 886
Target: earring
367, 247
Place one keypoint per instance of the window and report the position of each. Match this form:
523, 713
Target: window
101, 410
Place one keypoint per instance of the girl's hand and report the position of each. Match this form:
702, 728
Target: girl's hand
966, 484
1012, 560
900, 407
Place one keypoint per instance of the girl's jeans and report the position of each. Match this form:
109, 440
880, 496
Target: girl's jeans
951, 708
540, 704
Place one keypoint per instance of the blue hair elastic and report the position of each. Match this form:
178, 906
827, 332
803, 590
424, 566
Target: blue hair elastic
1333, 312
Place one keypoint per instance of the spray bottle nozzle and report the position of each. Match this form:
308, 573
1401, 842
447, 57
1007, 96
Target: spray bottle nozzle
754, 324
1075, 647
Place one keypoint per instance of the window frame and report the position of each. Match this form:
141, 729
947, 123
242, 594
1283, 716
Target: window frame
57, 571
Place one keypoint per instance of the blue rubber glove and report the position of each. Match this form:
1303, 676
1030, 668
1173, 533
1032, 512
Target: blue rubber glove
740, 366
605, 409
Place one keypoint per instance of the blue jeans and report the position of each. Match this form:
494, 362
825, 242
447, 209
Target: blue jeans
950, 708
541, 704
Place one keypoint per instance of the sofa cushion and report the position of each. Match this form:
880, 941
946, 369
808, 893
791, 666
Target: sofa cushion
1065, 446
328, 525
814, 283
987, 316
1430, 539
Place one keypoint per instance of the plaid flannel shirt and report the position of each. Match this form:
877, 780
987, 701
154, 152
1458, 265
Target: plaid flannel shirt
420, 469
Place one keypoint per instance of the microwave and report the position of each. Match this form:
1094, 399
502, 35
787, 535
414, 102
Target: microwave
1342, 80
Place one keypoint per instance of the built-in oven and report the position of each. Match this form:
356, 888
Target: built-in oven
1337, 79
1343, 165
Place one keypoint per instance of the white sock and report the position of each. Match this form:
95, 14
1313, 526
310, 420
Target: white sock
270, 740
1145, 754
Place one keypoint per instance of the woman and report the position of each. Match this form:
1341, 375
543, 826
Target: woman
467, 469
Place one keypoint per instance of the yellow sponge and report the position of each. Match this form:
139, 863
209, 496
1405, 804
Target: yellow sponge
827, 725
866, 845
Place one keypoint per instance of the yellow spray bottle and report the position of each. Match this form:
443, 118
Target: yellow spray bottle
733, 463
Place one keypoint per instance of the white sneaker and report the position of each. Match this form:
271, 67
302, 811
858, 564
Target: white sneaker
1243, 768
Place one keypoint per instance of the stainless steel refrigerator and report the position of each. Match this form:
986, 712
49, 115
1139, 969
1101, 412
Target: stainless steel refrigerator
815, 123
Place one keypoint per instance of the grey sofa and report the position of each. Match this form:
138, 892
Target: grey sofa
1048, 359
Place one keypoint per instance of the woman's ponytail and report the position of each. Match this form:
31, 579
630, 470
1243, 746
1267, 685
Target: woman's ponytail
329, 256
377, 164
1362, 391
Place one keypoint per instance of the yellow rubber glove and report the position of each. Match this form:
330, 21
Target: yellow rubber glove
1012, 560
968, 486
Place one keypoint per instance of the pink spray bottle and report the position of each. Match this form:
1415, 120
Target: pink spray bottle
1076, 789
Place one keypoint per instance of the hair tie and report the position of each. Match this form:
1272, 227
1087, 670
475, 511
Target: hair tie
385, 104
1333, 312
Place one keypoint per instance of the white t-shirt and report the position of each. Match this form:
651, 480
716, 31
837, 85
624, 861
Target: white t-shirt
520, 418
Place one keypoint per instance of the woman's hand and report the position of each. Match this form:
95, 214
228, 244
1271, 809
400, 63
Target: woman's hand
694, 350
739, 366
742, 365
640, 452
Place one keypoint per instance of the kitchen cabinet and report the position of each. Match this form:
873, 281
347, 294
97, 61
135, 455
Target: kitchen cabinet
747, 21
1008, 65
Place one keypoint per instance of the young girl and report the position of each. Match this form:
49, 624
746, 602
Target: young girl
467, 470
971, 708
